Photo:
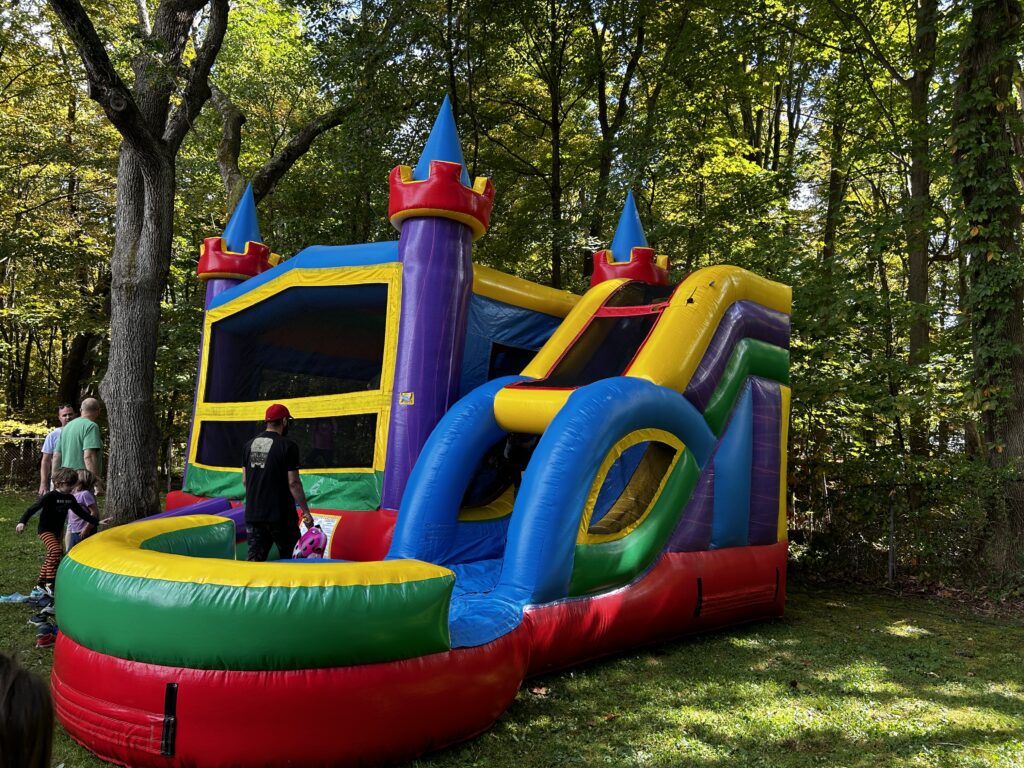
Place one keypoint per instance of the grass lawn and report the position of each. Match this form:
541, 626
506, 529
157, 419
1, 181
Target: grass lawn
847, 678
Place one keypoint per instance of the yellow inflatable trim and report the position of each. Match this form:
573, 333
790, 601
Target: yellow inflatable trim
500, 507
117, 551
528, 410
353, 403
509, 289
633, 438
686, 327
570, 328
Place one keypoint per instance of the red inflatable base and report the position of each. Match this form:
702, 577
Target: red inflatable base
138, 714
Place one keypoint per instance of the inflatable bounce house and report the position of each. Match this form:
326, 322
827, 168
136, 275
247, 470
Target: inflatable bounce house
512, 479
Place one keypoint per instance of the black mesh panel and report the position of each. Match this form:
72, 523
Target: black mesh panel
302, 342
637, 294
336, 442
603, 350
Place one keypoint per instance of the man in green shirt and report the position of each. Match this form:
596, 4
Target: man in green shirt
80, 445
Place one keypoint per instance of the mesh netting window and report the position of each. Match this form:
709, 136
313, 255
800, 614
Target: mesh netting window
637, 294
335, 442
604, 349
302, 342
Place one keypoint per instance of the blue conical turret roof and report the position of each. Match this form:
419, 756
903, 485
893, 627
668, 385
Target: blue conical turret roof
629, 233
243, 226
442, 144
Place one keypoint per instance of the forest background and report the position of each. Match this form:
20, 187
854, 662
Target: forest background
869, 153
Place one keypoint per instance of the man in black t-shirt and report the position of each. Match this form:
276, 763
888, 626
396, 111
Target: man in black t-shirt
270, 473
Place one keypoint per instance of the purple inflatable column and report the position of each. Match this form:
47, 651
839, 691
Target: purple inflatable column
437, 277
439, 214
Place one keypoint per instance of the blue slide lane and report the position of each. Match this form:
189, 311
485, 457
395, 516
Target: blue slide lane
426, 527
732, 461
538, 559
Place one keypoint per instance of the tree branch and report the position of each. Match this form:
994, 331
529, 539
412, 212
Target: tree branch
537, 172
142, 11
197, 88
105, 86
627, 77
266, 178
230, 146
872, 47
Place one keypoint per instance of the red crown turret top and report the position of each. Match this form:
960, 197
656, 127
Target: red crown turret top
629, 255
442, 194
439, 185
240, 253
216, 261
643, 265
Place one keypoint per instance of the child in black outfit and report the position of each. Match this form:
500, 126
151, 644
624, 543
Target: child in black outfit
54, 508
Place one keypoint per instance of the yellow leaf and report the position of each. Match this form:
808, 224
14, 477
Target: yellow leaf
975, 231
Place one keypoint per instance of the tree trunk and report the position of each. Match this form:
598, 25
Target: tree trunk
984, 174
26, 368
836, 176
153, 118
918, 229
609, 125
556, 195
919, 206
75, 368
555, 101
139, 268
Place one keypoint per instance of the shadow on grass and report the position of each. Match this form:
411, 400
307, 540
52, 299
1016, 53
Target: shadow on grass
859, 680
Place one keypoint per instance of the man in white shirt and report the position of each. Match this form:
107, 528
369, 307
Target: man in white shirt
64, 414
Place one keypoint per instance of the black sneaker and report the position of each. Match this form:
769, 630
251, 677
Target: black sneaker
39, 619
41, 602
46, 629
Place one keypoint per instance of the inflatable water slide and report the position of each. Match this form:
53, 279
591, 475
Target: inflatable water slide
513, 479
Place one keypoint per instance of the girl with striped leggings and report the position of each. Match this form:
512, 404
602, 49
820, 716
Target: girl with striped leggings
53, 509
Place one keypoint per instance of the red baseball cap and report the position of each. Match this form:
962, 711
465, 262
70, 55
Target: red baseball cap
277, 412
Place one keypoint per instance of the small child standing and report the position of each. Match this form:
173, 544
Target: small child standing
53, 509
78, 528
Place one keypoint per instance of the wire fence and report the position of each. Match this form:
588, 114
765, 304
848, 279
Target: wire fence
19, 462
20, 457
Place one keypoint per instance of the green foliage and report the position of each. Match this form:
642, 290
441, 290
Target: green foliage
21, 429
779, 137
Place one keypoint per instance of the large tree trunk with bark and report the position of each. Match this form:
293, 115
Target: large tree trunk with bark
139, 269
919, 206
984, 173
153, 117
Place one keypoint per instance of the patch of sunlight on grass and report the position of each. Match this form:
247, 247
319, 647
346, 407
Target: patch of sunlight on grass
904, 628
861, 677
